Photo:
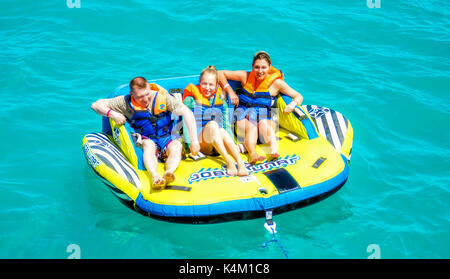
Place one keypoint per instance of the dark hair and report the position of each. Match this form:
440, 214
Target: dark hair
262, 55
139, 82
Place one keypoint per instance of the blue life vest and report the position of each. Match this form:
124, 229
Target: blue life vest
259, 97
154, 125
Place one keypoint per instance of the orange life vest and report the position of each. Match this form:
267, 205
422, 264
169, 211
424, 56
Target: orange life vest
204, 110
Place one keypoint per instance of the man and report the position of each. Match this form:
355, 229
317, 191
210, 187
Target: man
149, 108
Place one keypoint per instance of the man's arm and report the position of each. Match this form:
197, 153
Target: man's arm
177, 107
105, 107
191, 125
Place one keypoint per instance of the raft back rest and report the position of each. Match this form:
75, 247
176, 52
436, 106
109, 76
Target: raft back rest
123, 138
298, 122
122, 134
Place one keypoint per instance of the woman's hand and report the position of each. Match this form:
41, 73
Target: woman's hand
224, 76
194, 147
297, 98
233, 97
290, 108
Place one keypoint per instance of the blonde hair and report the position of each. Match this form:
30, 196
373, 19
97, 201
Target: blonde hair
210, 70
262, 55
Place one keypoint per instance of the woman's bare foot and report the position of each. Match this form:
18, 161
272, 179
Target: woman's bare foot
273, 156
169, 177
231, 169
242, 170
253, 159
158, 182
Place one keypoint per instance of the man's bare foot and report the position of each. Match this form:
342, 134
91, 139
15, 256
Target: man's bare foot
158, 183
231, 169
169, 177
256, 158
242, 170
273, 156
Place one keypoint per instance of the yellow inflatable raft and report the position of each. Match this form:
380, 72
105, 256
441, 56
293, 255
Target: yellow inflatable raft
314, 142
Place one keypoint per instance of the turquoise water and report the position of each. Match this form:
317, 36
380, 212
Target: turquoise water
386, 69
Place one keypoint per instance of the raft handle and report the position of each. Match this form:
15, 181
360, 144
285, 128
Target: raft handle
263, 190
292, 137
197, 157
319, 162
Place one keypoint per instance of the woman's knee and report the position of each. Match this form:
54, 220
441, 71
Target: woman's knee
211, 132
266, 131
226, 137
212, 126
266, 126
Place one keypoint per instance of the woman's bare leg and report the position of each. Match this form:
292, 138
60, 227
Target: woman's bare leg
212, 137
267, 131
233, 149
249, 131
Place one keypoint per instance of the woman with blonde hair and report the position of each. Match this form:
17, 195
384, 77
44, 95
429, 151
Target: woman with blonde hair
206, 100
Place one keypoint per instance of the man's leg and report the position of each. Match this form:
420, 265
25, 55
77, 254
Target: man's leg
151, 163
174, 149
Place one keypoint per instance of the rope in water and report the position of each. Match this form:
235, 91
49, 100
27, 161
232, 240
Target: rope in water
275, 239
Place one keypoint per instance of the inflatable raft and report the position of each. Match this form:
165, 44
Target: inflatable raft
315, 144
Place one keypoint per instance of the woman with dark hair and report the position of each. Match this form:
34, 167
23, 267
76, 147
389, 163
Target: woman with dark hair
254, 112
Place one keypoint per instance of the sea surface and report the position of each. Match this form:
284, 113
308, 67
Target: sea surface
387, 69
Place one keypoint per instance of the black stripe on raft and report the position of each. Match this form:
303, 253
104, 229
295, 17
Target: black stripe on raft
105, 161
282, 180
315, 123
319, 162
117, 156
174, 187
346, 121
309, 109
337, 126
327, 129
114, 149
108, 163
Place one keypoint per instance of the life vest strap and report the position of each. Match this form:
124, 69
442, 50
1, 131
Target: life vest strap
256, 95
250, 105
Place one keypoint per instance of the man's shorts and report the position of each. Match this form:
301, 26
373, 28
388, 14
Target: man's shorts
161, 145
